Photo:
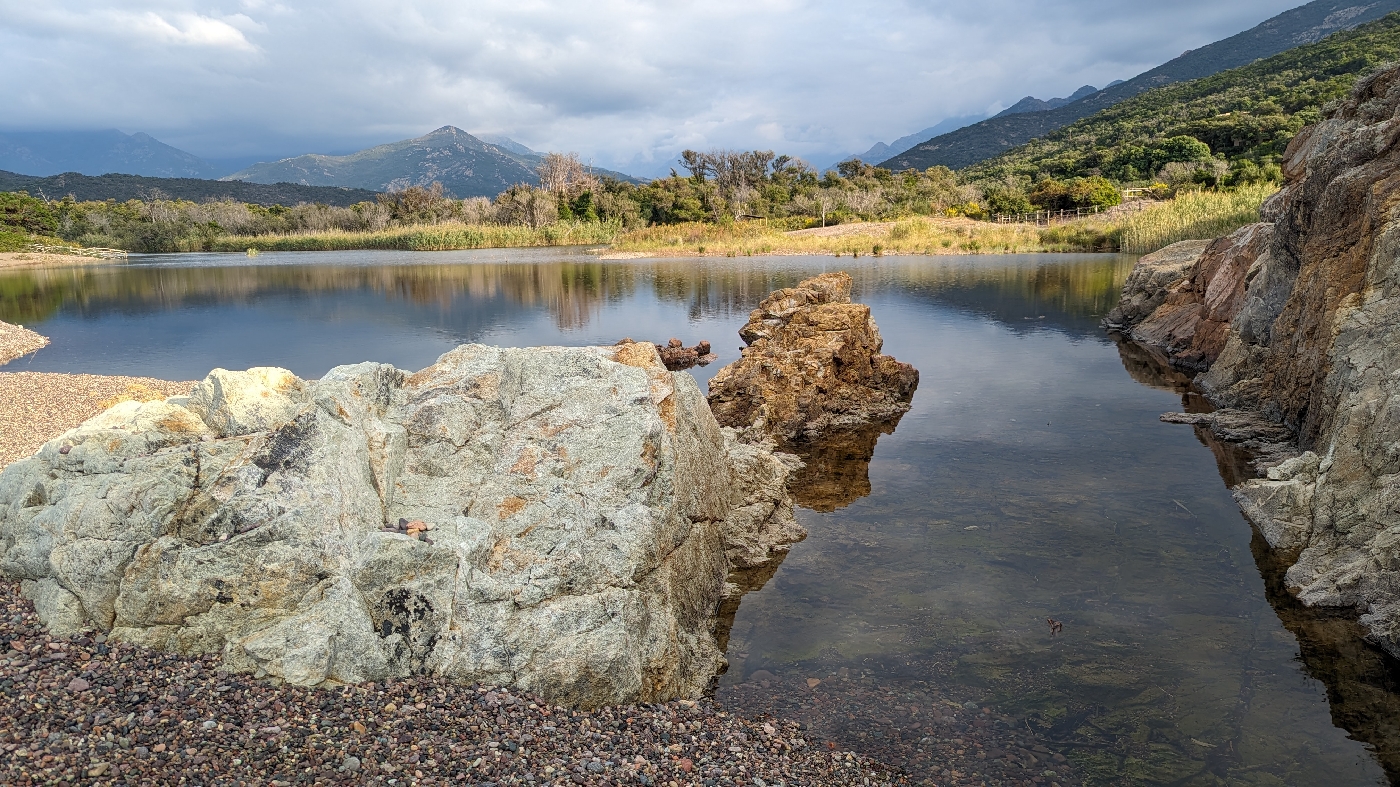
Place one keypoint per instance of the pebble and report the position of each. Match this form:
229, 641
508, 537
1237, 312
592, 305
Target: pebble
144, 719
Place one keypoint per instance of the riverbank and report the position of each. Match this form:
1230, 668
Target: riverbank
81, 708
436, 237
17, 341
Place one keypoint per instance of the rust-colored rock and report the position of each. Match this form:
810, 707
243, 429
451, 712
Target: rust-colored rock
1193, 321
812, 365
677, 357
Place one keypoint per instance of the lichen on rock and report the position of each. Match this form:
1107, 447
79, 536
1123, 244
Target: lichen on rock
812, 364
584, 509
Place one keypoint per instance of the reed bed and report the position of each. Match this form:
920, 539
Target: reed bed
914, 235
434, 237
1199, 215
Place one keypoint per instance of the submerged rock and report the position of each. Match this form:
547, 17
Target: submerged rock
558, 519
812, 365
1313, 345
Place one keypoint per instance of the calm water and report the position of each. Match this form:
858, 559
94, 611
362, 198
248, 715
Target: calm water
1031, 480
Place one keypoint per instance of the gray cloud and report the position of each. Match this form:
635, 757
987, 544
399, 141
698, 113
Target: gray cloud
626, 83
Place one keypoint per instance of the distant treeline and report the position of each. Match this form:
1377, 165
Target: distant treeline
99, 188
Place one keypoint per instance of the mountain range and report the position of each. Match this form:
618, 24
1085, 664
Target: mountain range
1303, 25
465, 165
97, 153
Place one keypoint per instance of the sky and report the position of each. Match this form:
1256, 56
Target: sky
624, 83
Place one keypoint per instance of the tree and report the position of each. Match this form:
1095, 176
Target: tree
30, 215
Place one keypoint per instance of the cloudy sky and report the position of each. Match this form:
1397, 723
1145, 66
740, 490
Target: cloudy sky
625, 83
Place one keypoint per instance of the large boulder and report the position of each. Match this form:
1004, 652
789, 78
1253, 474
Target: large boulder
561, 520
1313, 346
812, 365
1150, 281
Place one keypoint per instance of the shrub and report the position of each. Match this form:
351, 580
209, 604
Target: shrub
23, 213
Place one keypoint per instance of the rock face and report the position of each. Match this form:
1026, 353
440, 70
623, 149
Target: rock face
1192, 321
1151, 278
1314, 346
812, 365
572, 515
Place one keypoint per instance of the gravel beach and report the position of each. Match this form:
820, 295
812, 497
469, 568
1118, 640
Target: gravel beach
17, 341
36, 407
82, 710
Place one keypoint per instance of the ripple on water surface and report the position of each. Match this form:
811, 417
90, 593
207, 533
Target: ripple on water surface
1030, 483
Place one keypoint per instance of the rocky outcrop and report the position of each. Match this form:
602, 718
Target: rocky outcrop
812, 365
677, 357
561, 520
1192, 322
1314, 346
1151, 279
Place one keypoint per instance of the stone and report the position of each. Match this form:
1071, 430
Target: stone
1313, 346
676, 356
812, 365
585, 510
1192, 323
1151, 279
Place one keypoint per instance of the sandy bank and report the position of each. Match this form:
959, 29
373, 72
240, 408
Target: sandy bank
36, 407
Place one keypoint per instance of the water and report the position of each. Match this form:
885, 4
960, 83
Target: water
1031, 481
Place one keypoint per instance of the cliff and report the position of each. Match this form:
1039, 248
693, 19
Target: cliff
1296, 323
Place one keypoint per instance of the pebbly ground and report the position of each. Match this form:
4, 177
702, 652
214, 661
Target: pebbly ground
85, 711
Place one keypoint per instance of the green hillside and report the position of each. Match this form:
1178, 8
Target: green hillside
1246, 116
1305, 24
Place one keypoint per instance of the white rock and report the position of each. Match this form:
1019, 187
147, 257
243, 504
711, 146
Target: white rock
585, 511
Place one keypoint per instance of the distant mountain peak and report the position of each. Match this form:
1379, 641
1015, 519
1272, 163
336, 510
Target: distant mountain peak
1033, 104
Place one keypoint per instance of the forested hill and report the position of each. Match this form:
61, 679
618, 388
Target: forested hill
1300, 26
127, 187
1247, 114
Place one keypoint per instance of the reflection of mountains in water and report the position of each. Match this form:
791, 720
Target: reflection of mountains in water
1066, 291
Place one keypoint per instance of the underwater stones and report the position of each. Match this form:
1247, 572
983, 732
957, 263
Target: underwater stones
557, 519
812, 365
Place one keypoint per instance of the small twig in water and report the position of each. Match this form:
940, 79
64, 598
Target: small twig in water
1183, 507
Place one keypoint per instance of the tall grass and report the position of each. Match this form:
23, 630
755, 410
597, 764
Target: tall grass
1200, 215
434, 237
907, 235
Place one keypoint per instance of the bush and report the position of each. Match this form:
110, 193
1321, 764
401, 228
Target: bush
23, 213
12, 241
1008, 200
1095, 192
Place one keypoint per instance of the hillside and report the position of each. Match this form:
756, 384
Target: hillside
1303, 25
46, 153
127, 187
1248, 113
1033, 104
464, 165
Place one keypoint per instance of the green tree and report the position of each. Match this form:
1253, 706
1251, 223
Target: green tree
19, 211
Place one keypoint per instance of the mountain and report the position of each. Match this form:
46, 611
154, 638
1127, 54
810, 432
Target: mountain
97, 153
126, 187
1248, 113
465, 166
1303, 25
880, 151
501, 141
1033, 104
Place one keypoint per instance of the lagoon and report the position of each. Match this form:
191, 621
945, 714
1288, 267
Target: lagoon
1031, 482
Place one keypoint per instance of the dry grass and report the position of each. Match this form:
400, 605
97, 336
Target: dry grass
434, 237
36, 407
1200, 215
915, 235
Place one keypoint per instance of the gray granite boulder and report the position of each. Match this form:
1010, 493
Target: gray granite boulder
561, 520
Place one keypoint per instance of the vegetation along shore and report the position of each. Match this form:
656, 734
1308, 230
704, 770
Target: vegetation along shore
1195, 159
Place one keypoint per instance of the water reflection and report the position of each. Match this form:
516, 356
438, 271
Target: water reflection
1031, 480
